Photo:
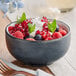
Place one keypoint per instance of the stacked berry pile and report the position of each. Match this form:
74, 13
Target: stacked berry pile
23, 28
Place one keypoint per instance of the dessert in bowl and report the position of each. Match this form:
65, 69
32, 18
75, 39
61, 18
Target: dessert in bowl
46, 45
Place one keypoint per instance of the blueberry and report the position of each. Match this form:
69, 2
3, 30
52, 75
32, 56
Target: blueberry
57, 28
38, 37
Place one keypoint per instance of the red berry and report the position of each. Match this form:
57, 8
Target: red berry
45, 25
19, 28
18, 34
11, 31
57, 35
45, 19
31, 39
37, 32
42, 33
10, 28
49, 38
48, 34
16, 25
24, 23
42, 20
63, 32
28, 21
44, 36
26, 34
26, 29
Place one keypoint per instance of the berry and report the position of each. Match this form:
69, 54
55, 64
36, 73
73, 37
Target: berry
44, 36
28, 21
38, 37
18, 34
24, 24
49, 38
45, 19
57, 28
48, 34
42, 20
31, 39
37, 32
19, 28
45, 25
16, 25
57, 35
10, 28
42, 32
11, 31
63, 32
26, 34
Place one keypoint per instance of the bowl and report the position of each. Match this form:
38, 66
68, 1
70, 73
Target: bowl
38, 53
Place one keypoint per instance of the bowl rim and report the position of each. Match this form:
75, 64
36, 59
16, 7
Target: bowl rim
38, 41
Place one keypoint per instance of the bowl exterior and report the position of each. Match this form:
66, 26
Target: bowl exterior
37, 52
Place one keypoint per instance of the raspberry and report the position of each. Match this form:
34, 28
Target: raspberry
18, 34
63, 32
10, 28
31, 39
49, 38
57, 35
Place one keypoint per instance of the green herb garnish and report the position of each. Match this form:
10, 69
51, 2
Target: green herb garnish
52, 26
31, 27
22, 18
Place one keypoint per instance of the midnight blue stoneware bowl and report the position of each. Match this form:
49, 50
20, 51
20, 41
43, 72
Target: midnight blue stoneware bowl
38, 53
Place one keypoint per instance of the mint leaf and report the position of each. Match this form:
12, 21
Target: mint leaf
22, 18
52, 26
31, 27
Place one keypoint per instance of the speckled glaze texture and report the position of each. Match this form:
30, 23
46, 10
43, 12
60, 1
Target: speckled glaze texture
38, 52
